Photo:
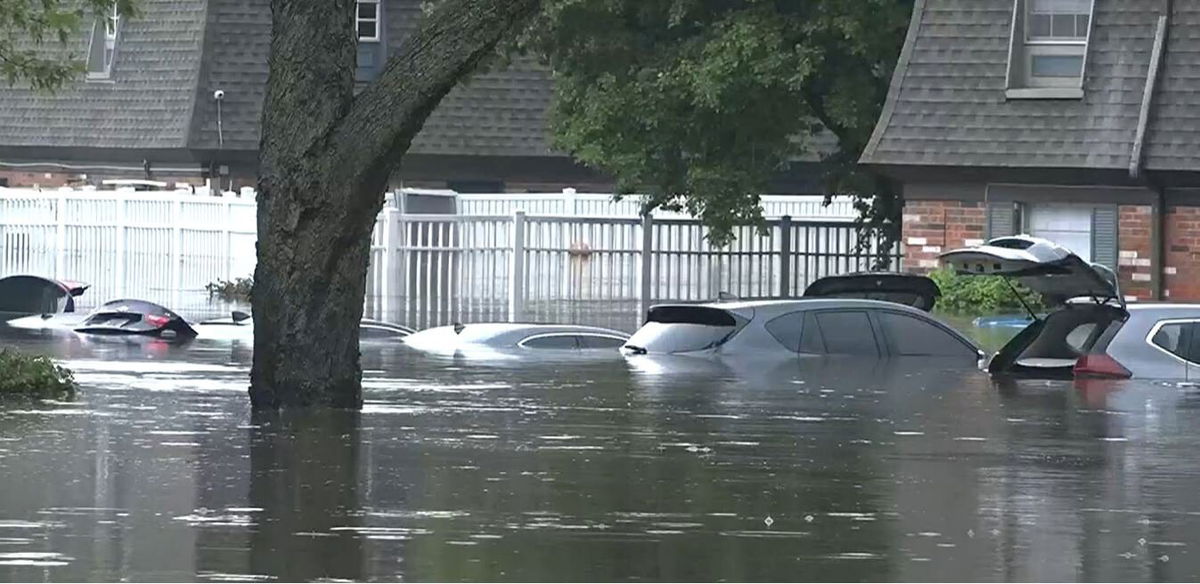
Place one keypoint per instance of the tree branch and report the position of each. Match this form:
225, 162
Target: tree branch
452, 40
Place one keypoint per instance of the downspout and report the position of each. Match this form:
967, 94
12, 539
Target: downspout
1158, 207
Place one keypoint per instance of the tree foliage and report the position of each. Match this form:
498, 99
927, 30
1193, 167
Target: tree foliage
698, 103
32, 376
34, 35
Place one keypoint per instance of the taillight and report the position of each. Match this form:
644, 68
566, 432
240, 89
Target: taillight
1100, 365
157, 321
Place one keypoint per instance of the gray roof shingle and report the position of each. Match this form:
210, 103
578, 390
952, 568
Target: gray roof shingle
499, 113
947, 104
146, 104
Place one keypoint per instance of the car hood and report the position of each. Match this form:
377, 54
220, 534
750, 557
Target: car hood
1041, 265
907, 289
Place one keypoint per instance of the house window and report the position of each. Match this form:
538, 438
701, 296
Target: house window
1049, 46
103, 50
367, 20
1067, 225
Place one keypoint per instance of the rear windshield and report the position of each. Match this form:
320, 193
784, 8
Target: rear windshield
680, 329
659, 337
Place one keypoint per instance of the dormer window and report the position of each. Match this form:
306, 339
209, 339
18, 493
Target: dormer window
367, 20
103, 50
1049, 47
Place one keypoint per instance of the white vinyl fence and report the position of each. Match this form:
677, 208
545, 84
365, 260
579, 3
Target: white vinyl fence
426, 270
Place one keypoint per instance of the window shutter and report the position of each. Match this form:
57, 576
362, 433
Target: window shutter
1104, 236
1002, 219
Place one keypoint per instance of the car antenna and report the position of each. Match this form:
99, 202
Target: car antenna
1032, 315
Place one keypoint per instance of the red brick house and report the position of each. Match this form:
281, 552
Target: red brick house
1074, 120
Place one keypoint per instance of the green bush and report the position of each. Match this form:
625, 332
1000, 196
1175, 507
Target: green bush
36, 377
981, 294
238, 290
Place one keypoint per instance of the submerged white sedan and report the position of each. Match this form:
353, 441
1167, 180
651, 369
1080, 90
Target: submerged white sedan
513, 338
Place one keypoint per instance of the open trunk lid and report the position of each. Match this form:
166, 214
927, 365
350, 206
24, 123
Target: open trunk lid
907, 289
1041, 265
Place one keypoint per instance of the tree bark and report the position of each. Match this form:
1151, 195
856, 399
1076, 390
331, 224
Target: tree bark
325, 158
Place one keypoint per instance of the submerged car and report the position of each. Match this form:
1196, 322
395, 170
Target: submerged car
1090, 330
822, 323
240, 325
27, 295
511, 337
117, 317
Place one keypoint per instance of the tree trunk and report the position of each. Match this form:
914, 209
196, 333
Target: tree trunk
325, 159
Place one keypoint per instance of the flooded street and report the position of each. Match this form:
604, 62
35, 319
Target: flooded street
595, 469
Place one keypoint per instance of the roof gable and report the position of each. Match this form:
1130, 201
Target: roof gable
947, 104
147, 102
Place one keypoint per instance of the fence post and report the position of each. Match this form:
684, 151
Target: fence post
60, 238
227, 237
785, 256
388, 265
570, 202
516, 270
645, 296
176, 252
122, 244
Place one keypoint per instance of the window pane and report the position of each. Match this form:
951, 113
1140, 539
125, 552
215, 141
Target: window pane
1062, 26
1175, 338
1056, 65
599, 342
366, 30
551, 342
910, 336
847, 333
787, 329
811, 341
1039, 25
367, 10
1061, 6
1081, 25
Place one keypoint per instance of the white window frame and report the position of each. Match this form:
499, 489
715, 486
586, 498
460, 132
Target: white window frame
377, 22
107, 29
1022, 83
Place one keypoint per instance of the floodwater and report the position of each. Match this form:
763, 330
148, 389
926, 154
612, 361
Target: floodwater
595, 469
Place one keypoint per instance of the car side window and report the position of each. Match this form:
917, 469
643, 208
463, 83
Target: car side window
599, 342
787, 329
810, 340
909, 336
1176, 338
551, 342
847, 333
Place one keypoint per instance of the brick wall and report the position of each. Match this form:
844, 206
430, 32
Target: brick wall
1181, 271
932, 227
1134, 251
49, 180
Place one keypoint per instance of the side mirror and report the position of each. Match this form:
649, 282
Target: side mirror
239, 316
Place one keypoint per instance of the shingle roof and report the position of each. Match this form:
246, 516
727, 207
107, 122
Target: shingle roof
146, 105
500, 113
947, 103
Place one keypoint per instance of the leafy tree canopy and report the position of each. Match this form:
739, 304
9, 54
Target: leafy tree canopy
698, 103
28, 28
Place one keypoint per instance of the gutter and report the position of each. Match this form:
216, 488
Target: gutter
1158, 208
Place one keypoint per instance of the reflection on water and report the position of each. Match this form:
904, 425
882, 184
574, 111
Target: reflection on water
602, 469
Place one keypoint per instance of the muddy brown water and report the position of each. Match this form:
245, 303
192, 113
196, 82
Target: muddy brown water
594, 469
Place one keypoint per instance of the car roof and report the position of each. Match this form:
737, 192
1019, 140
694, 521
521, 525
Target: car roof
780, 306
486, 330
1166, 309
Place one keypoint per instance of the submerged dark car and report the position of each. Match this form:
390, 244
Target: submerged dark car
25, 295
1090, 330
125, 317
